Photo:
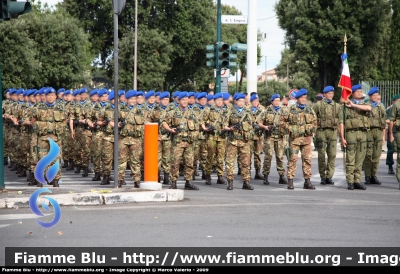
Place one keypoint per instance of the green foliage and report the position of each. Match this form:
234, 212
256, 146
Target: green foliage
51, 51
395, 42
314, 35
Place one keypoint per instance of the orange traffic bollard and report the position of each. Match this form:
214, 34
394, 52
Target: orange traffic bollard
151, 157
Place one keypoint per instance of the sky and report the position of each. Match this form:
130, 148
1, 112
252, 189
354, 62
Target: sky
266, 23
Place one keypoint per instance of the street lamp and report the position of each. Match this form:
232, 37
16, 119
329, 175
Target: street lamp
287, 73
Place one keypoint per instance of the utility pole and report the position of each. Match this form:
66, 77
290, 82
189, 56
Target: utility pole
252, 47
266, 74
136, 45
219, 37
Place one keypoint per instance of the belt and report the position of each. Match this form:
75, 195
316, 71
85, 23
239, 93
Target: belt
357, 129
328, 128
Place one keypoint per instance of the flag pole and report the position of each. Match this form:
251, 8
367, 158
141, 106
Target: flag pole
344, 113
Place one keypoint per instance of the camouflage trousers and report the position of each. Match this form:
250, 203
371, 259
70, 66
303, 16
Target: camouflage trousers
272, 145
306, 158
356, 151
164, 156
44, 147
97, 142
215, 147
84, 144
75, 144
107, 155
34, 153
196, 154
13, 142
129, 150
202, 153
6, 138
374, 151
326, 144
182, 150
397, 141
240, 149
22, 150
256, 149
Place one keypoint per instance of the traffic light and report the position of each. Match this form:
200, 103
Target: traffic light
234, 49
210, 56
223, 55
12, 9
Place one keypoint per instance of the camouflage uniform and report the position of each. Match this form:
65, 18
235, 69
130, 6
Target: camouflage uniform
274, 140
164, 149
377, 123
326, 138
356, 128
107, 114
257, 141
49, 120
215, 144
182, 144
302, 124
24, 137
130, 142
196, 145
390, 145
33, 152
239, 145
13, 134
68, 142
6, 129
395, 118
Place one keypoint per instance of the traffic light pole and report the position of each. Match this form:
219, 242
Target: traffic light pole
219, 37
2, 184
116, 104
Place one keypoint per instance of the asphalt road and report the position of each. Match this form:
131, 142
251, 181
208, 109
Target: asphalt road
269, 216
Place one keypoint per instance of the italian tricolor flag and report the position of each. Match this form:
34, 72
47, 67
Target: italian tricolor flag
345, 80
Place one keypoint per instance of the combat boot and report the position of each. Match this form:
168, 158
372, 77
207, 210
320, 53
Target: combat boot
106, 180
375, 180
173, 185
71, 165
266, 182
359, 186
22, 173
14, 167
96, 176
78, 169
230, 185
33, 182
323, 181
123, 182
19, 169
39, 184
65, 165
111, 178
55, 183
247, 185
142, 176
208, 179
282, 180
5, 161
190, 186
194, 175
181, 170
119, 183
308, 185
290, 184
367, 180
136, 184
350, 186
31, 176
329, 181
221, 180
391, 171
166, 179
203, 175
258, 175
85, 172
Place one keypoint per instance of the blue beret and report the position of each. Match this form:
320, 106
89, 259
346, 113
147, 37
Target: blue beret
164, 95
253, 97
8, 90
226, 95
210, 97
190, 94
328, 89
111, 96
20, 91
274, 96
300, 93
102, 92
218, 96
240, 96
201, 95
373, 90
13, 91
36, 92
83, 90
150, 94
41, 91
50, 90
355, 87
94, 92
25, 92
158, 93
67, 92
60, 90
130, 93
139, 93
121, 92
32, 92
183, 94
176, 93
76, 92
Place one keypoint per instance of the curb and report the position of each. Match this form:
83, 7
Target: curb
90, 198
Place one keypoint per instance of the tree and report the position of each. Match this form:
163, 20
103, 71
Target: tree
395, 41
315, 31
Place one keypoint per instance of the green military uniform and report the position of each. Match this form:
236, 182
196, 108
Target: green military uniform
302, 123
377, 124
33, 153
395, 118
390, 145
326, 138
257, 141
185, 121
356, 128
275, 119
164, 148
196, 145
6, 129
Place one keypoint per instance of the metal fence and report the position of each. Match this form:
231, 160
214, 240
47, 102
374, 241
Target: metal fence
387, 89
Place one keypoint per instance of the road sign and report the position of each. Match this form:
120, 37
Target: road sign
292, 94
224, 73
233, 19
224, 84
